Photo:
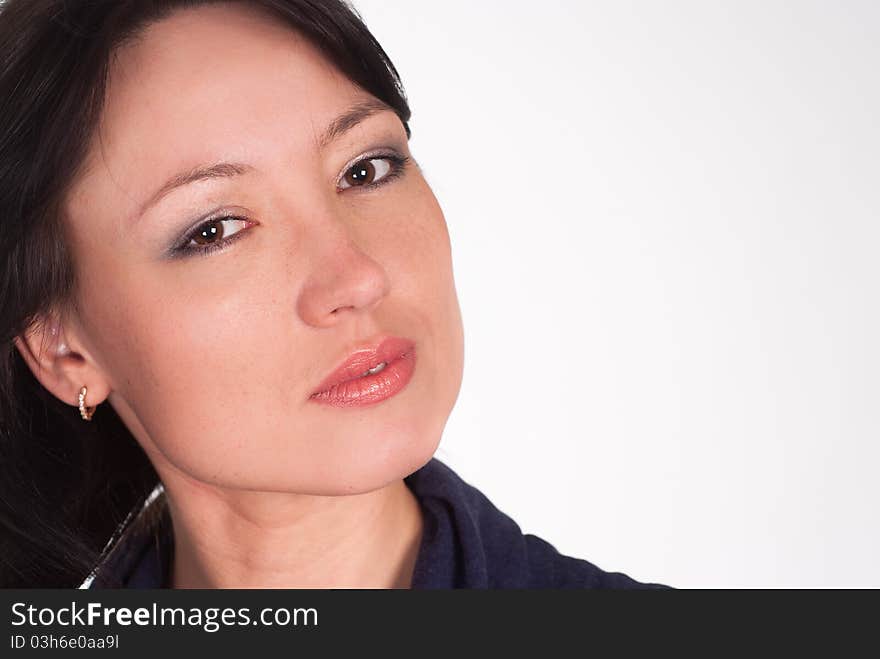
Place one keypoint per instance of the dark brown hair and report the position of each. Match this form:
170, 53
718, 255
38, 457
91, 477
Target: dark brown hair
66, 484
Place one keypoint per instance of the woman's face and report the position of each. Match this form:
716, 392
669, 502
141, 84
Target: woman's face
210, 359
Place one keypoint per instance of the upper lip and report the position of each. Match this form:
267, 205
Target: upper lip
365, 356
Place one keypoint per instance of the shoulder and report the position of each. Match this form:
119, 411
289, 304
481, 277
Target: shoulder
470, 543
550, 569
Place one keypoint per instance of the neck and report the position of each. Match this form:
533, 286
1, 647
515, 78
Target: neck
252, 539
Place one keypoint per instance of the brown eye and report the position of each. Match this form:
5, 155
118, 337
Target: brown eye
211, 235
209, 232
366, 172
214, 232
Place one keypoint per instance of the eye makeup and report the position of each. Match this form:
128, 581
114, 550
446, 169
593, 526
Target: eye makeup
185, 247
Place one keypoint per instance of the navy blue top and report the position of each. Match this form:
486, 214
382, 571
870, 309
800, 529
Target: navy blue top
466, 543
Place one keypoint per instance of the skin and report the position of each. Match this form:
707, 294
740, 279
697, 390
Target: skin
210, 360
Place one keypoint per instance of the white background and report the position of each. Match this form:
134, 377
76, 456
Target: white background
664, 218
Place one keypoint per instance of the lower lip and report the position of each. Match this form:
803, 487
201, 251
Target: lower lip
371, 389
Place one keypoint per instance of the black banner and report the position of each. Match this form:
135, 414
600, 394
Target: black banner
146, 622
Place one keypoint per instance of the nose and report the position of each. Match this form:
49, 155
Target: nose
344, 279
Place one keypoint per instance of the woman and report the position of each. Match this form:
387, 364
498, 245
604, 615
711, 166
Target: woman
218, 247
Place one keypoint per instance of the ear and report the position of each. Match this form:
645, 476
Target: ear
55, 357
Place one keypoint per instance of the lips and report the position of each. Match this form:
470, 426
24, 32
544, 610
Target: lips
365, 357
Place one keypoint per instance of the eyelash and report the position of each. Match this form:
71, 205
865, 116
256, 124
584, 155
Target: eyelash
398, 166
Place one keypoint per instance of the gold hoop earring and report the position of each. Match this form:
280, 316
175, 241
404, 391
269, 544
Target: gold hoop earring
85, 412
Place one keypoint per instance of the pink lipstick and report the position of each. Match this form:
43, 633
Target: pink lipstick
372, 373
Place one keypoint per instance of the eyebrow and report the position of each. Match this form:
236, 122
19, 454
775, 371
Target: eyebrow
342, 124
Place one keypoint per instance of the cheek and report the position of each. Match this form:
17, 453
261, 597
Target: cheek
179, 337
190, 359
421, 249
430, 280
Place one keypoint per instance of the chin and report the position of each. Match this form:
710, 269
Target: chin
395, 462
369, 450
382, 463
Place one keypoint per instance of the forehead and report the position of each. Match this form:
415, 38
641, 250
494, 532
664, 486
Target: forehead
205, 63
210, 82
